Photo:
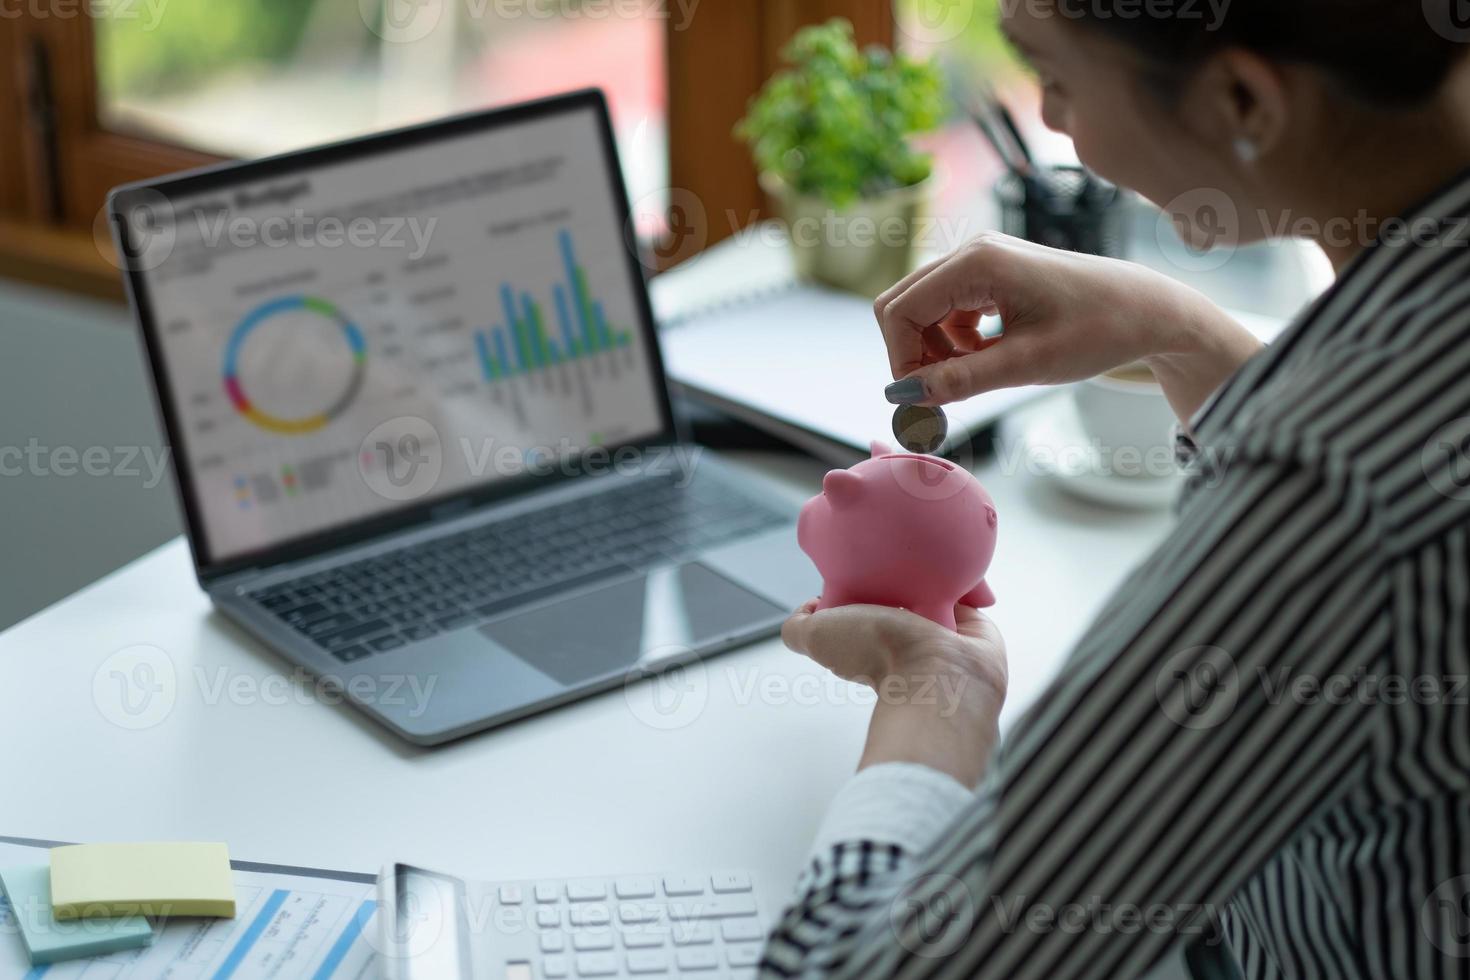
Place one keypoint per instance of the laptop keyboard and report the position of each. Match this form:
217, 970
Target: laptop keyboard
391, 600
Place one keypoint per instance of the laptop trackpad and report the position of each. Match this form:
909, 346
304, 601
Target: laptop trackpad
659, 614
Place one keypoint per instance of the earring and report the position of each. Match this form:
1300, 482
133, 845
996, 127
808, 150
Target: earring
1246, 150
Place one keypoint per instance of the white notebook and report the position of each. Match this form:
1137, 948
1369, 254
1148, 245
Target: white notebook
807, 365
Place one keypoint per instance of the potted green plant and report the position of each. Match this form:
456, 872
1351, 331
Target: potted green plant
832, 137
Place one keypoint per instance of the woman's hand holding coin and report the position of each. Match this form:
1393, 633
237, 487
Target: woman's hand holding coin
1067, 317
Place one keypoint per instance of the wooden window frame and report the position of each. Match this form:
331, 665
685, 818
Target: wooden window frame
63, 162
52, 191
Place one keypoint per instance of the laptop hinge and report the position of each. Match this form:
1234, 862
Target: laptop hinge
451, 509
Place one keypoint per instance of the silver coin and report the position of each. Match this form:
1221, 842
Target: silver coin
919, 429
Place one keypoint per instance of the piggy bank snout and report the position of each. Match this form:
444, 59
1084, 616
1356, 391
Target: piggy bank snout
813, 527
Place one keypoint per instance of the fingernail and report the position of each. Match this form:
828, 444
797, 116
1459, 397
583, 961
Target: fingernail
909, 391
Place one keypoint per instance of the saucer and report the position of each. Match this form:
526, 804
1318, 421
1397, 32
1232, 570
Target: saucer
1057, 450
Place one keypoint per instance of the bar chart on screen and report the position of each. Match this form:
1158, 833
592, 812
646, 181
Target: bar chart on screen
583, 344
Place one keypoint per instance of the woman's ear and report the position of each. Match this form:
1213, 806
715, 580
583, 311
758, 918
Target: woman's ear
1241, 101
842, 488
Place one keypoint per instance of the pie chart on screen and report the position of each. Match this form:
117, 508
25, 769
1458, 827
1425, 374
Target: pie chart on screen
294, 364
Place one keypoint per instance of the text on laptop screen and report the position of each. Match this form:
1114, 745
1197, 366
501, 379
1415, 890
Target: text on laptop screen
353, 338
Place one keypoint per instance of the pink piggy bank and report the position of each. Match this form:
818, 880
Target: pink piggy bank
915, 532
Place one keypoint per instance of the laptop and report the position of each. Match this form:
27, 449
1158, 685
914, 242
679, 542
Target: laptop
420, 425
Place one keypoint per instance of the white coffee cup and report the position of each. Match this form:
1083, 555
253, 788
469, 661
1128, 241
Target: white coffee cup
1125, 414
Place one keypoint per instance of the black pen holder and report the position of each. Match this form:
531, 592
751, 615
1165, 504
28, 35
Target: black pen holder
1062, 207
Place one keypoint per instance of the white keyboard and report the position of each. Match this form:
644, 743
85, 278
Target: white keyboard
695, 925
706, 926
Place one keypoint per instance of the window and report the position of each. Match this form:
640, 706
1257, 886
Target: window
103, 92
964, 36
245, 80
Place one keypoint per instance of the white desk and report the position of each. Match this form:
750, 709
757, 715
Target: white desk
586, 789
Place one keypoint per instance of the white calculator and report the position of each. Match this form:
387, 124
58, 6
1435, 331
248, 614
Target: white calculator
436, 926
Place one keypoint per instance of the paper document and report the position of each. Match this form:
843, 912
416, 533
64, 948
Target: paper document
289, 922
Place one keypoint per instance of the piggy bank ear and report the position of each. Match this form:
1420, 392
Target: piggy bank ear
881, 449
842, 488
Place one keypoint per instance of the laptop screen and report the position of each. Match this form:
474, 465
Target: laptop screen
394, 326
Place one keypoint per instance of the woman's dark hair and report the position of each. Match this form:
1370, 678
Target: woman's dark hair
1393, 53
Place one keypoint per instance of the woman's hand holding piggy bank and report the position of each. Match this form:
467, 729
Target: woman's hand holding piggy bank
902, 530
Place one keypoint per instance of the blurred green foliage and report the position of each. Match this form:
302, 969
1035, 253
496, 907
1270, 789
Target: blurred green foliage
191, 39
837, 123
970, 28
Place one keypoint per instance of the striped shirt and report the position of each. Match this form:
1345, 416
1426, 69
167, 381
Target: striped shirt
1262, 747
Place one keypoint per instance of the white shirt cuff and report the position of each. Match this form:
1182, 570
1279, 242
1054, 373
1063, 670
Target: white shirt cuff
897, 803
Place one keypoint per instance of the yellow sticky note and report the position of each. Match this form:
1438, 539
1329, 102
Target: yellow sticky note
90, 880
